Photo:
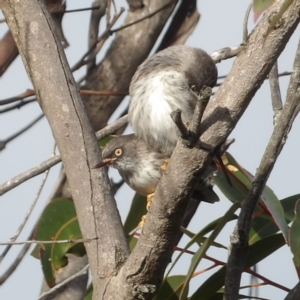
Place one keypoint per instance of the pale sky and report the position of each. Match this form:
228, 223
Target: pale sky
220, 26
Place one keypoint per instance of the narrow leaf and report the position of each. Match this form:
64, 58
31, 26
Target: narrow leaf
202, 250
171, 288
257, 252
295, 238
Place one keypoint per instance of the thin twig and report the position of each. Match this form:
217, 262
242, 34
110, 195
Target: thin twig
101, 39
21, 227
79, 9
12, 183
22, 96
275, 92
15, 263
52, 290
176, 117
17, 105
239, 238
69, 241
225, 53
15, 135
103, 93
286, 73
96, 16
144, 18
245, 26
194, 128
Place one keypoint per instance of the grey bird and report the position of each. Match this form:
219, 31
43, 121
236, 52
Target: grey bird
140, 167
169, 80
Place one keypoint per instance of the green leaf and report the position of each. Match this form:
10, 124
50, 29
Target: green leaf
262, 227
220, 296
260, 6
199, 238
294, 238
171, 288
137, 210
288, 205
202, 250
102, 143
276, 210
239, 179
89, 293
284, 7
268, 203
58, 222
257, 252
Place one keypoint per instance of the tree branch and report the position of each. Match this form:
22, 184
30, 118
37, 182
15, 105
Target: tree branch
239, 238
43, 56
49, 163
275, 92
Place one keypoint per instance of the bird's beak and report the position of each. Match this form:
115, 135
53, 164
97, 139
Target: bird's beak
104, 162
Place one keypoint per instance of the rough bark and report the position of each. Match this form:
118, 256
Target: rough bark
58, 95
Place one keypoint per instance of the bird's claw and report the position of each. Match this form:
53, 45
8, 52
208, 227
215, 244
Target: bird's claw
149, 200
142, 222
163, 167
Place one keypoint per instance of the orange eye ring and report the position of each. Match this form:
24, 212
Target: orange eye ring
118, 152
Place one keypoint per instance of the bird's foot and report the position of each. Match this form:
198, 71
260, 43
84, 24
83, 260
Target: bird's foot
163, 167
149, 200
142, 222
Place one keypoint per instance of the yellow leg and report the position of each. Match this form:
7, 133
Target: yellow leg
149, 200
142, 222
163, 167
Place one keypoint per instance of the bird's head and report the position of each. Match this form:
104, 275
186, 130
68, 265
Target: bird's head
119, 153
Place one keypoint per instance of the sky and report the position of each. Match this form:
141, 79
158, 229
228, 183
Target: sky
220, 26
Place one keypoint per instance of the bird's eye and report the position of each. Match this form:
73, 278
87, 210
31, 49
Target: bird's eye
193, 87
118, 152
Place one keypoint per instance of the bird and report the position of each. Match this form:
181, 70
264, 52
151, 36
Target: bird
140, 167
171, 79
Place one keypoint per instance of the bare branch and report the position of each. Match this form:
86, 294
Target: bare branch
275, 92
294, 293
17, 105
239, 238
96, 16
15, 135
12, 183
135, 4
183, 24
104, 36
245, 26
176, 117
58, 286
69, 241
21, 227
15, 263
103, 93
22, 96
225, 53
144, 18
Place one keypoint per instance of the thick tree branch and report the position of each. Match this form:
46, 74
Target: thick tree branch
58, 95
239, 238
183, 24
